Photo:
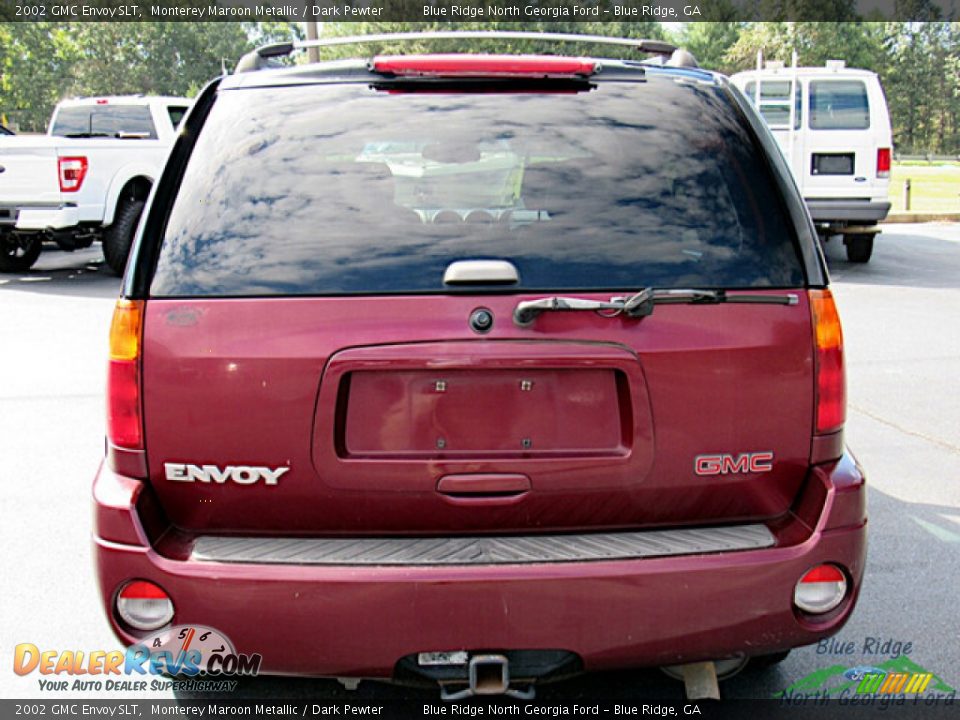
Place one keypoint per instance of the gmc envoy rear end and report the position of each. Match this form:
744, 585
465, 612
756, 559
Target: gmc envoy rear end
479, 370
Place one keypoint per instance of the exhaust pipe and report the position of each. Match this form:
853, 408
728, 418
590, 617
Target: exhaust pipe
488, 675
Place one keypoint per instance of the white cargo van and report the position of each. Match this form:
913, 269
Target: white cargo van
835, 134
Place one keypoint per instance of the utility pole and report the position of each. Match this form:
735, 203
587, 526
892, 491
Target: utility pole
313, 54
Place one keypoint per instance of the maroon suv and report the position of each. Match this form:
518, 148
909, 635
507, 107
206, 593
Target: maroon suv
479, 370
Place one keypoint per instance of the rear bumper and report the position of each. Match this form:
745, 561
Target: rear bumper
856, 211
40, 217
359, 621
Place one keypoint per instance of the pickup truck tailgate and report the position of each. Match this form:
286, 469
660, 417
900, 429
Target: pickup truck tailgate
29, 172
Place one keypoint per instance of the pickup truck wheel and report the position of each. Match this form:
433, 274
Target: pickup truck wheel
859, 248
119, 237
19, 252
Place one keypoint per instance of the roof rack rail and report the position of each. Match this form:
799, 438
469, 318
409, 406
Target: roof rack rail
670, 54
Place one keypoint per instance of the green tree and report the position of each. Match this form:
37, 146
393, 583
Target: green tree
35, 58
41, 63
652, 30
857, 43
152, 58
711, 41
922, 85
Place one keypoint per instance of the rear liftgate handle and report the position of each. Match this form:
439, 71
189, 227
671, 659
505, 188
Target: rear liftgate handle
476, 490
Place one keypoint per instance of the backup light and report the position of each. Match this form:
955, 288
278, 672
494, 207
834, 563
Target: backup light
821, 589
144, 606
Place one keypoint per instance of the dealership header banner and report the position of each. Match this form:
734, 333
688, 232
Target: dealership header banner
457, 11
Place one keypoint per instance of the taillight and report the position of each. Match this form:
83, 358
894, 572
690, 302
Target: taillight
144, 606
124, 425
821, 589
883, 162
831, 379
72, 171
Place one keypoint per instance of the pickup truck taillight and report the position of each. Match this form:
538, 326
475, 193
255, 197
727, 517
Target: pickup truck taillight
72, 172
124, 424
883, 162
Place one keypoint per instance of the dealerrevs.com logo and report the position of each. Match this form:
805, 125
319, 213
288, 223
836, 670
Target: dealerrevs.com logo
197, 657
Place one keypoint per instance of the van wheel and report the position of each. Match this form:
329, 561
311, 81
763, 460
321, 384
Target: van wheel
18, 252
859, 248
119, 237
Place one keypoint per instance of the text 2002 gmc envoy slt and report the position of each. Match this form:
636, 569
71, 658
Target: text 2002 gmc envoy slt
479, 370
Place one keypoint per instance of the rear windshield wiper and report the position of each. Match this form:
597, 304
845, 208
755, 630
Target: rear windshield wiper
87, 135
642, 303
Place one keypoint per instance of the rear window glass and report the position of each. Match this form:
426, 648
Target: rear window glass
346, 189
775, 102
176, 114
839, 105
105, 120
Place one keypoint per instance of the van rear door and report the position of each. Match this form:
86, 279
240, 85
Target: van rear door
844, 134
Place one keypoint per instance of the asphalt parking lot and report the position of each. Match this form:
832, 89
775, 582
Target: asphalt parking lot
901, 317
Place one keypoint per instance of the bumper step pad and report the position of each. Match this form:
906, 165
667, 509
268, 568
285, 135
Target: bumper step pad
505, 550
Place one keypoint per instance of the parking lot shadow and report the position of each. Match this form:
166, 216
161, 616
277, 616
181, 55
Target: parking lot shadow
920, 256
647, 683
81, 273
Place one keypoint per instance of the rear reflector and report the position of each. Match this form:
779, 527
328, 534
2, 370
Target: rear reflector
144, 606
883, 162
821, 589
72, 171
831, 381
124, 426
481, 66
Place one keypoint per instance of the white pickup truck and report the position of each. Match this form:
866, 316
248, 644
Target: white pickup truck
87, 179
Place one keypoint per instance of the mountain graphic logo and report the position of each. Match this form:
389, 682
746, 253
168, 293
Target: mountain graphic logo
896, 676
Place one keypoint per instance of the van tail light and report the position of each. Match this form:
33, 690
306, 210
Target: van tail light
124, 421
831, 400
72, 171
883, 162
